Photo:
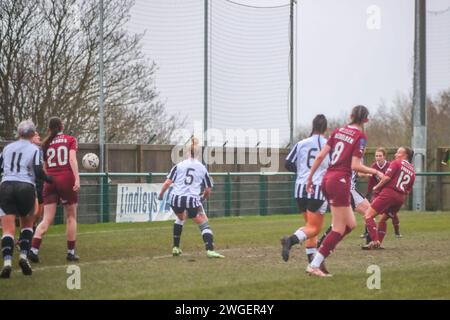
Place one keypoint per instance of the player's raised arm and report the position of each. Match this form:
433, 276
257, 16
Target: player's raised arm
320, 157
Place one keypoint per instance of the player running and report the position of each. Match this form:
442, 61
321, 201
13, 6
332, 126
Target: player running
61, 163
313, 206
21, 163
187, 178
392, 188
347, 145
358, 202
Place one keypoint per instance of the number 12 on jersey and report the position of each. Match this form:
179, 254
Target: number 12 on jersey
403, 180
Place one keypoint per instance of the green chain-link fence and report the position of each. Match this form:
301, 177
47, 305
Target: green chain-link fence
234, 194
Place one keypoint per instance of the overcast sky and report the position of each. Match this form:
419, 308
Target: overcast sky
348, 52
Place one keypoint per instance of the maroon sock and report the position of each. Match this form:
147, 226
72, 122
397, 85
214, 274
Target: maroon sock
396, 224
71, 245
347, 231
36, 243
382, 227
397, 229
372, 229
330, 243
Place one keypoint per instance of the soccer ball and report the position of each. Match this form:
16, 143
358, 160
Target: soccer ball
90, 161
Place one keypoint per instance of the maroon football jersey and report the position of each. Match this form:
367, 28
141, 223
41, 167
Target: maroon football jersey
57, 155
373, 180
402, 176
345, 143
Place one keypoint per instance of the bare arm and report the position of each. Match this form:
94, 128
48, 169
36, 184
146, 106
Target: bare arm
364, 175
206, 193
74, 166
360, 168
382, 182
164, 188
322, 154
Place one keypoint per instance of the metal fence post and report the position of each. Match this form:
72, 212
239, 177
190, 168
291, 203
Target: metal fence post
228, 195
262, 195
105, 198
149, 177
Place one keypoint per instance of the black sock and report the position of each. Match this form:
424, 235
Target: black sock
25, 240
207, 235
208, 240
177, 229
294, 240
7, 246
324, 236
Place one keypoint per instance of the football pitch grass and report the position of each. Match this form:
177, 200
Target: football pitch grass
134, 261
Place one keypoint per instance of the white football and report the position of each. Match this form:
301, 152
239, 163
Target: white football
90, 161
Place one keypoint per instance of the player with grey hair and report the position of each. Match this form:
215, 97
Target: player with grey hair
21, 165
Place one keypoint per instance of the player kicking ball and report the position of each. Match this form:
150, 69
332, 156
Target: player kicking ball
393, 188
187, 178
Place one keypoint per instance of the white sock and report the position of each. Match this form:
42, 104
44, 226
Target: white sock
317, 261
34, 250
300, 235
7, 262
23, 255
71, 251
311, 250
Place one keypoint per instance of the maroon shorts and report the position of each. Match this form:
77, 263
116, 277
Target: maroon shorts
336, 188
61, 190
388, 201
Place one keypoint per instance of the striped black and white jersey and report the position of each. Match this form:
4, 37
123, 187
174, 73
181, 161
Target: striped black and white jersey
354, 179
18, 160
188, 178
303, 155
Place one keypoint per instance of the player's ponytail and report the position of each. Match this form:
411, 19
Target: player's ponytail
359, 115
319, 125
194, 147
54, 127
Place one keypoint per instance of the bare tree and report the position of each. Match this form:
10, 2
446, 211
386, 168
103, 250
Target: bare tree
49, 66
392, 127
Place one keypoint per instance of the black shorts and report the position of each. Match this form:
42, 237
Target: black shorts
192, 212
17, 198
312, 205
